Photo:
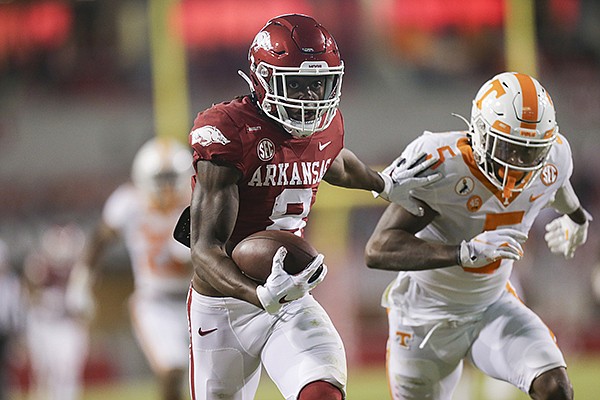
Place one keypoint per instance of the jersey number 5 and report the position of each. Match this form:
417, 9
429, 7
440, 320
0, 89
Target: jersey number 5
493, 221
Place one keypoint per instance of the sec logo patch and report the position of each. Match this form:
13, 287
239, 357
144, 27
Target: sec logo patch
549, 174
265, 149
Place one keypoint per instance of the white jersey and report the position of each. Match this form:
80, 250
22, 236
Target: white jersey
160, 264
469, 204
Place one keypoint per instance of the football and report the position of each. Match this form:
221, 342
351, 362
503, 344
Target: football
254, 254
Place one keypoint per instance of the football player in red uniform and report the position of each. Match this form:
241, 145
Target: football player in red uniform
259, 160
57, 336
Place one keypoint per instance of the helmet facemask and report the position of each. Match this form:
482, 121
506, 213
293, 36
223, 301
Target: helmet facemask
509, 163
312, 115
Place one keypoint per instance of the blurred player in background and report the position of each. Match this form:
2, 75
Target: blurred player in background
452, 299
12, 315
57, 336
259, 160
143, 214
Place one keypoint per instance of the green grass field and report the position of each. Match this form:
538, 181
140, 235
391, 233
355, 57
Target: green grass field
363, 384
370, 384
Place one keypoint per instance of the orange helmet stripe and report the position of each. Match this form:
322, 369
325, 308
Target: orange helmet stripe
530, 103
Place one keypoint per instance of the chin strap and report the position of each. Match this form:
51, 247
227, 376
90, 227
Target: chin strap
248, 80
508, 188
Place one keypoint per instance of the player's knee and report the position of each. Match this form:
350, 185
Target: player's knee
320, 390
552, 385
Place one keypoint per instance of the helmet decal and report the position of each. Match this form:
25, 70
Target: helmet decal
529, 109
261, 41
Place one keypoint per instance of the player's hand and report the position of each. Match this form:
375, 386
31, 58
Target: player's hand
564, 235
490, 246
281, 287
79, 298
401, 177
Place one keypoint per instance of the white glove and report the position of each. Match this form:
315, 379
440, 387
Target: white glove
564, 235
489, 246
79, 298
281, 287
400, 177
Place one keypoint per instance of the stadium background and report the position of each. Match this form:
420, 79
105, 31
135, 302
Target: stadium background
84, 83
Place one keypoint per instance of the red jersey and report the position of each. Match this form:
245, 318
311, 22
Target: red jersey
280, 173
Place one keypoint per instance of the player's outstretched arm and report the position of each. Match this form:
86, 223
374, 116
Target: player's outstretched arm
347, 170
393, 184
393, 245
281, 287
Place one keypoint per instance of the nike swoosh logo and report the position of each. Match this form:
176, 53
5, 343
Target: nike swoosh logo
204, 333
533, 198
283, 300
323, 145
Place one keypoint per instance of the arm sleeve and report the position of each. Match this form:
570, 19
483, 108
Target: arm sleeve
565, 200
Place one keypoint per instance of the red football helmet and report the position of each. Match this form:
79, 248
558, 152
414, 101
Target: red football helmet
295, 45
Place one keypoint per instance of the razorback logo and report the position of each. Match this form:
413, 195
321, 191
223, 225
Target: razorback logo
207, 135
262, 41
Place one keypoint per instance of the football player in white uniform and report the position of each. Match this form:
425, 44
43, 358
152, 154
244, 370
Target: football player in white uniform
12, 316
452, 299
56, 337
143, 213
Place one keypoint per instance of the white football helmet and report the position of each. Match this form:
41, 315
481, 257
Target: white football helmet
63, 244
513, 127
289, 46
161, 170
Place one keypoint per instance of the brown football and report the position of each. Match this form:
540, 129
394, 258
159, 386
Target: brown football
254, 254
